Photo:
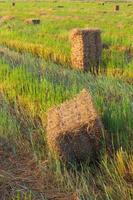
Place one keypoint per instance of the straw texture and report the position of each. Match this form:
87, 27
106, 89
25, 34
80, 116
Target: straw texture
86, 48
74, 129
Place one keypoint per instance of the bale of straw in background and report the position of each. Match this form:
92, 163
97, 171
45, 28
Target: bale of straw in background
13, 3
42, 13
74, 129
117, 8
86, 48
6, 18
32, 21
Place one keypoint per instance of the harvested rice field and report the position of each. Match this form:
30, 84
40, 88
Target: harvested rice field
66, 100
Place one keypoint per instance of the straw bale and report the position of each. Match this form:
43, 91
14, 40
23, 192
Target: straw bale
74, 129
86, 48
43, 13
13, 3
32, 21
6, 18
60, 6
117, 8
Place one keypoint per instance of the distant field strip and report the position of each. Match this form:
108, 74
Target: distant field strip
50, 39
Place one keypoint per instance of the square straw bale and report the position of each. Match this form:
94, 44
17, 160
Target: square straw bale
32, 21
86, 48
74, 129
